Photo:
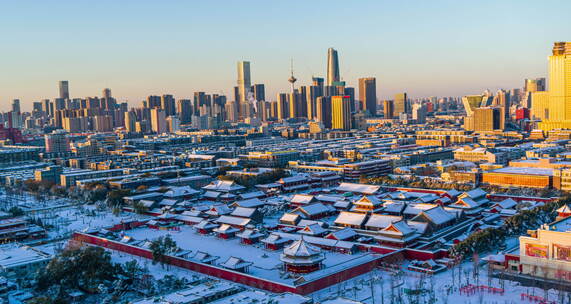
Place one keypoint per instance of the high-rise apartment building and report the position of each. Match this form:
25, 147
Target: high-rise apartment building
341, 112
332, 67
153, 101
131, 121
368, 95
64, 89
168, 105
282, 106
259, 92
184, 110
555, 105
388, 109
158, 121
16, 105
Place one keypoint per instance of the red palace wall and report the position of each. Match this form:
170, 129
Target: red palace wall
234, 276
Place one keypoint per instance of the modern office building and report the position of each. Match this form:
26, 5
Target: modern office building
557, 110
184, 110
244, 82
64, 89
323, 113
368, 95
341, 113
259, 92
332, 67
400, 104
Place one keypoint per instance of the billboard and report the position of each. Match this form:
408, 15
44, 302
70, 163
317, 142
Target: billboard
562, 253
536, 250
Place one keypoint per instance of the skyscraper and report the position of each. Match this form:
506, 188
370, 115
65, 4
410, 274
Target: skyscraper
259, 92
555, 105
400, 104
341, 113
64, 89
323, 114
168, 104
368, 95
184, 110
282, 106
332, 67
388, 109
243, 80
16, 106
158, 121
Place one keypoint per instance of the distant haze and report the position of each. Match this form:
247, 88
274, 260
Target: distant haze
138, 48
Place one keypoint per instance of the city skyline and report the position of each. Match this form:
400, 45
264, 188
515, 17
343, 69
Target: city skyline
160, 59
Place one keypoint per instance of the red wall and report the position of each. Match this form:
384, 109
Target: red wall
233, 275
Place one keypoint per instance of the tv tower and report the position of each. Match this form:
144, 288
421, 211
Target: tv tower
292, 79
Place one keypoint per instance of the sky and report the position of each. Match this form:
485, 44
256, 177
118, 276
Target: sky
139, 48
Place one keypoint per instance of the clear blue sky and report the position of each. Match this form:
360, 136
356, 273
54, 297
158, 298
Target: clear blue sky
137, 48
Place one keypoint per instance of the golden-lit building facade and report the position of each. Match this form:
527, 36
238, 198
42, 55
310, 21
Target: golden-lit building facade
341, 112
558, 110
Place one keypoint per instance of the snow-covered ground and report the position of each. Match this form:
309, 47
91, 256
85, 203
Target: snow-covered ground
445, 287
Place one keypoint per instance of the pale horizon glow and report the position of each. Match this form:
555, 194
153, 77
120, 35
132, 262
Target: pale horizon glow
141, 48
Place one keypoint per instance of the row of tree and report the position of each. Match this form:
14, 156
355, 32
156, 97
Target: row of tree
489, 238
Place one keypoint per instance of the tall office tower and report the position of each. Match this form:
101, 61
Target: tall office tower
388, 109
283, 106
48, 107
502, 100
341, 113
312, 92
419, 113
294, 104
323, 114
153, 101
264, 110
37, 106
259, 91
244, 84
131, 121
158, 121
199, 100
332, 67
554, 106
302, 102
401, 104
168, 105
349, 91
16, 105
56, 142
368, 95
184, 110
236, 94
64, 89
